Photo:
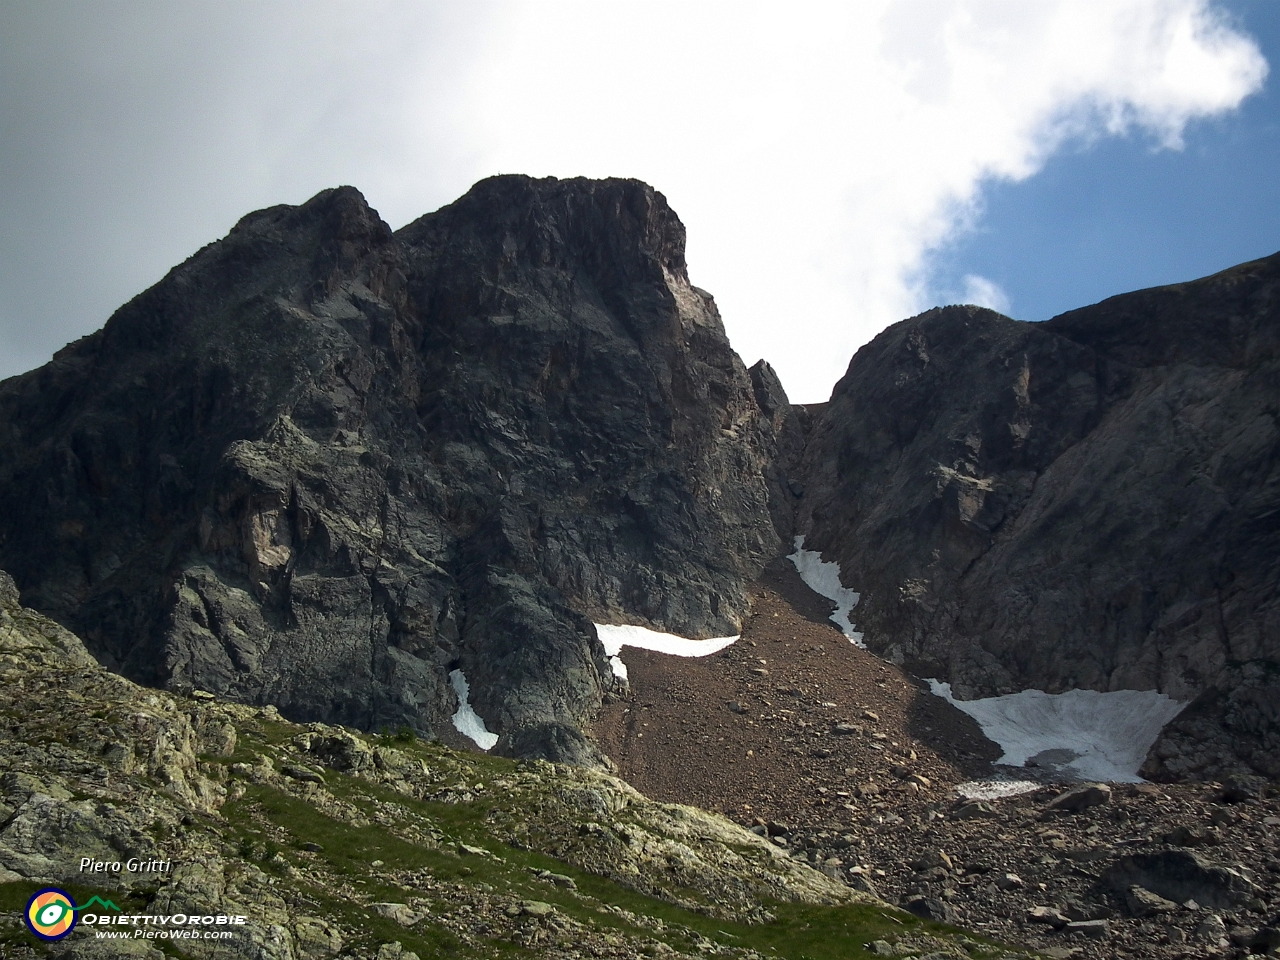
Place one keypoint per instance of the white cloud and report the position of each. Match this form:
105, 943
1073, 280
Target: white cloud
816, 151
982, 292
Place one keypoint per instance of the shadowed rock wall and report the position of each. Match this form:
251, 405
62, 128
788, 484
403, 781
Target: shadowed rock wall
1089, 502
320, 464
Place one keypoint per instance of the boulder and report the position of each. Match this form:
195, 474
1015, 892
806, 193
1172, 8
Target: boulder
1093, 929
1080, 798
1193, 835
401, 913
316, 938
1211, 930
1143, 903
342, 750
931, 859
1050, 916
1241, 789
1180, 875
975, 810
931, 908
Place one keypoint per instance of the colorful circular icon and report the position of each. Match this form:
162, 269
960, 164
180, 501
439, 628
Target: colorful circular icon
51, 914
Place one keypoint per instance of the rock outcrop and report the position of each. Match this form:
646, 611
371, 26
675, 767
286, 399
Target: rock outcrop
321, 464
1091, 502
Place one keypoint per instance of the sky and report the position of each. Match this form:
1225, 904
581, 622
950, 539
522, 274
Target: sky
839, 166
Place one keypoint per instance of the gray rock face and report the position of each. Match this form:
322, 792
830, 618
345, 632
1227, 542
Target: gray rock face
1232, 725
320, 464
1089, 502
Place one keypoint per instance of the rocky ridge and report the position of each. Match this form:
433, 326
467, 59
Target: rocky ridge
322, 464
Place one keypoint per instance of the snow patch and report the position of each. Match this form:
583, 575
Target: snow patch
619, 668
823, 578
1085, 734
995, 789
615, 637
466, 721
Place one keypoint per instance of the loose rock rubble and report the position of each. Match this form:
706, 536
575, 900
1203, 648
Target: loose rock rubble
860, 779
1155, 871
830, 726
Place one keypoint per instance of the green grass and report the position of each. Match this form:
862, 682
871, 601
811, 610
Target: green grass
348, 852
798, 932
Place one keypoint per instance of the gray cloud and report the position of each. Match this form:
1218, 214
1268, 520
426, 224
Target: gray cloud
132, 134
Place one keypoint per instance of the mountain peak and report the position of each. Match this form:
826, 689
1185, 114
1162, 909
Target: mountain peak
615, 226
340, 463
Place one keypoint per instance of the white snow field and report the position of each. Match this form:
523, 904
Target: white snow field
466, 721
823, 578
615, 637
1085, 734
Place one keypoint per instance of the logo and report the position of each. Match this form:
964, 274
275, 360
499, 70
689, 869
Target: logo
51, 914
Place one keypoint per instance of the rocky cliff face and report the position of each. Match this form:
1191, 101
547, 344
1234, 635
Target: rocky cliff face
321, 464
1089, 502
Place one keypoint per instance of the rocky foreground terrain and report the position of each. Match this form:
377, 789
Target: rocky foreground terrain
852, 766
336, 844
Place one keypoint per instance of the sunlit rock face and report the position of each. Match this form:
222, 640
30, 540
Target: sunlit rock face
1091, 502
322, 464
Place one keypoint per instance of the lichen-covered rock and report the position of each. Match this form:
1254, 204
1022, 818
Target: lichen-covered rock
316, 939
339, 748
47, 837
133, 730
